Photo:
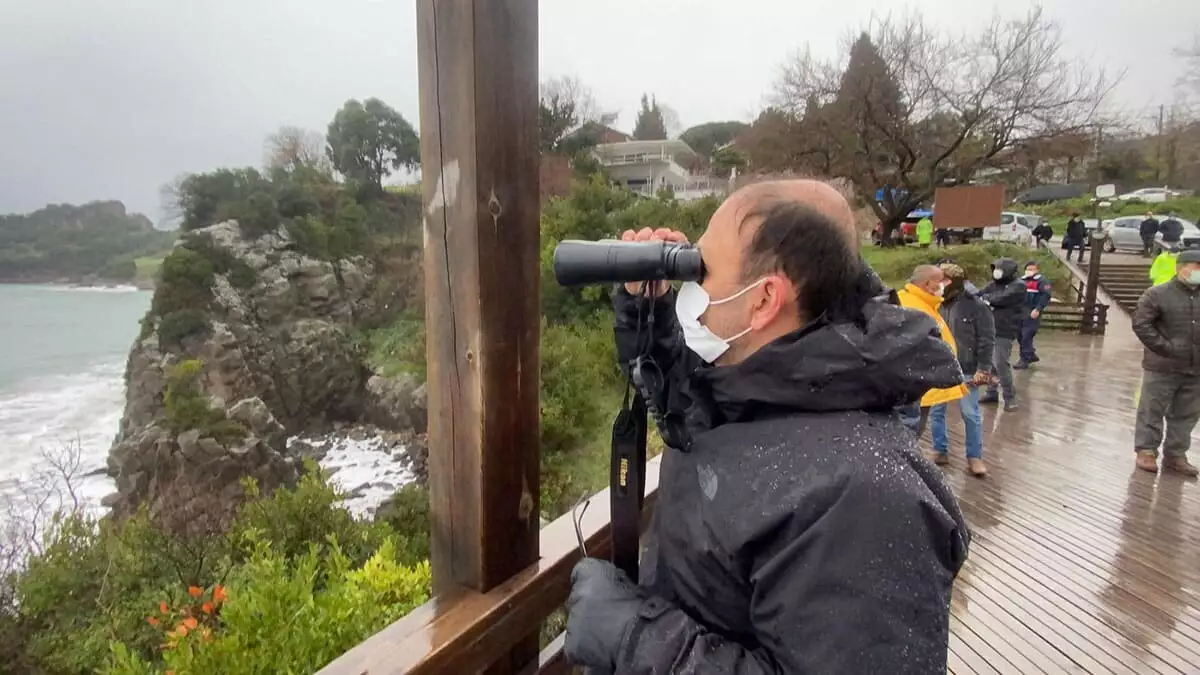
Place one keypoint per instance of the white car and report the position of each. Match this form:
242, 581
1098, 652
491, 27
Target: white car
1124, 234
1149, 195
1016, 228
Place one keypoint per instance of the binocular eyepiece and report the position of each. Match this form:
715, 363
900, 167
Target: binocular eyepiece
578, 263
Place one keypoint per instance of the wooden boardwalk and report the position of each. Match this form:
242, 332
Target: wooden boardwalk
1079, 562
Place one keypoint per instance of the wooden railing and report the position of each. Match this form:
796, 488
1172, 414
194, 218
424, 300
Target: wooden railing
467, 632
1078, 318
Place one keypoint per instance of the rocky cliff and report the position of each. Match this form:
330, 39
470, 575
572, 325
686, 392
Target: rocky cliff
250, 341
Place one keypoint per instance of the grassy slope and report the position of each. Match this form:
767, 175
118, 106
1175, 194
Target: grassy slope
894, 265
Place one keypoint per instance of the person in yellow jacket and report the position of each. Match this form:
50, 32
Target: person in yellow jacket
923, 293
1163, 269
924, 232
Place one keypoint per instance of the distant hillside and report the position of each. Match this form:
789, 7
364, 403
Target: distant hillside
95, 242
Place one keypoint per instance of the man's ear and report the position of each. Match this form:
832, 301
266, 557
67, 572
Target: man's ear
777, 292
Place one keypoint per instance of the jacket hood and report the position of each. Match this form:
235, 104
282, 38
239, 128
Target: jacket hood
1006, 265
890, 358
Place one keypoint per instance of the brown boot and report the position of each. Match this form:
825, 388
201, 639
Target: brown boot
939, 458
1180, 466
1147, 460
976, 467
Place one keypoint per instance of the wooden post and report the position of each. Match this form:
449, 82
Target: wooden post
1093, 282
479, 164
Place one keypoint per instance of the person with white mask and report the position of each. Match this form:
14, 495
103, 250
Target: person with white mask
1165, 321
792, 474
924, 293
1006, 296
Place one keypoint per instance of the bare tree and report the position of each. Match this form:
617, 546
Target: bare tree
293, 147
571, 90
913, 109
170, 201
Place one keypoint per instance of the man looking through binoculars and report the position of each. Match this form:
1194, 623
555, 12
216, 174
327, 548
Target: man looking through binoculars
798, 529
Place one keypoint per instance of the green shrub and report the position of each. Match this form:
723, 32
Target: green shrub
185, 281
399, 347
285, 614
124, 270
307, 516
186, 407
407, 516
174, 326
102, 596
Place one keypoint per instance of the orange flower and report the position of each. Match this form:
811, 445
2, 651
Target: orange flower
219, 595
189, 622
152, 621
207, 608
195, 591
182, 631
162, 607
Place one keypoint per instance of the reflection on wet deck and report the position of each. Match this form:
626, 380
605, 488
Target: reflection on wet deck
1079, 563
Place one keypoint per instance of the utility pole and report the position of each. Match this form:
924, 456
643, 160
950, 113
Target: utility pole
1158, 148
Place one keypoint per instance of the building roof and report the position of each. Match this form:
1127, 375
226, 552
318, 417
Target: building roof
674, 147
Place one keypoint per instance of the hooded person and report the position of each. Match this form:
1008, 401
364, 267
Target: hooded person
1165, 323
1006, 296
786, 472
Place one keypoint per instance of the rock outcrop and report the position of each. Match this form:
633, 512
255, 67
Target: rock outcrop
277, 354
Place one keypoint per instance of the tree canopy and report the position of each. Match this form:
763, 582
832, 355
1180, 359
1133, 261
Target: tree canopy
650, 125
369, 140
65, 241
706, 138
916, 109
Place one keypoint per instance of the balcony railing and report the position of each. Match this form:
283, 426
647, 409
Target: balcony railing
468, 632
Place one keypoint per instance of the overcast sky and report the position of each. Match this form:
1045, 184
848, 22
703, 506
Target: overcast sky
109, 99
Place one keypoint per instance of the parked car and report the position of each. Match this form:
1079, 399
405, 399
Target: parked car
1123, 234
1150, 195
1016, 228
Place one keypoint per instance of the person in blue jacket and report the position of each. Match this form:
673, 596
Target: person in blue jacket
1037, 296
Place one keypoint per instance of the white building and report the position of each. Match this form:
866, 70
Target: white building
646, 167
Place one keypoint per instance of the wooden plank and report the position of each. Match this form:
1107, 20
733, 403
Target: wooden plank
477, 64
479, 106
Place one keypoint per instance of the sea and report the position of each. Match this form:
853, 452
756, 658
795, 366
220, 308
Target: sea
62, 362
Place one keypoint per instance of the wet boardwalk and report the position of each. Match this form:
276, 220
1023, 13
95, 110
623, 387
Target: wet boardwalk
1079, 562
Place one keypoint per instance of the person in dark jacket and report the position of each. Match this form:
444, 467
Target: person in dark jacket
1165, 321
974, 332
1006, 296
1172, 230
797, 528
1042, 234
1148, 230
1037, 296
1075, 237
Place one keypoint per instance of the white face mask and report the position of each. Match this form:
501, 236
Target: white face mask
997, 274
690, 305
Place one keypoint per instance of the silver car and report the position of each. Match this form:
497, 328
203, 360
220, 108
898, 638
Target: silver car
1124, 233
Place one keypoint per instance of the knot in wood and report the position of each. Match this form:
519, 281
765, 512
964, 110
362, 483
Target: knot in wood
494, 206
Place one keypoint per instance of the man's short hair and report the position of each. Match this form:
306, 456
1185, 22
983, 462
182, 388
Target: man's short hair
814, 252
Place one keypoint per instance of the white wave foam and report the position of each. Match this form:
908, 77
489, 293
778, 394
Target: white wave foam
363, 469
90, 289
44, 418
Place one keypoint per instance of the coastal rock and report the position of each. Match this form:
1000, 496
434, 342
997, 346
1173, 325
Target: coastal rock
396, 403
278, 352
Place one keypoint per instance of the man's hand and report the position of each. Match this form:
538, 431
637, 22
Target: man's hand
657, 288
981, 378
602, 606
1034, 314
